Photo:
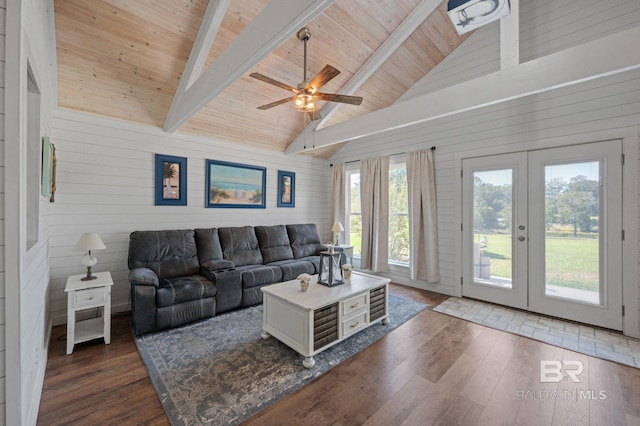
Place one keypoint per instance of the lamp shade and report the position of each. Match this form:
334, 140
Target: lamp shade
88, 242
337, 227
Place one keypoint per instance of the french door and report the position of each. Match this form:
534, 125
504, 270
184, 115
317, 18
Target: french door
542, 231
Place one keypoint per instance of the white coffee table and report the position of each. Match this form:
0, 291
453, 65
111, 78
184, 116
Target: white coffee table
312, 321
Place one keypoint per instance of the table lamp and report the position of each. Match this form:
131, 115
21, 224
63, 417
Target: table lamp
337, 228
87, 242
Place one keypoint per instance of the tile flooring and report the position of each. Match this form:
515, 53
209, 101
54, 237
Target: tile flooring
601, 343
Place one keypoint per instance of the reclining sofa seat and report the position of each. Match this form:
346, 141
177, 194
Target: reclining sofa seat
228, 265
167, 289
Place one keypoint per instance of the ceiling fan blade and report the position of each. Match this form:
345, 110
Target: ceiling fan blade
322, 78
276, 103
333, 97
274, 82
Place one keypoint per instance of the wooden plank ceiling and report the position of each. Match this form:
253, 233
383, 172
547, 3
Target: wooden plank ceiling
123, 59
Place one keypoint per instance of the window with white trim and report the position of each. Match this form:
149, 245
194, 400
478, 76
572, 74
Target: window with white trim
398, 212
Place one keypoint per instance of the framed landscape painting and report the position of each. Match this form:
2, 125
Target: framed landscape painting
233, 185
171, 180
286, 189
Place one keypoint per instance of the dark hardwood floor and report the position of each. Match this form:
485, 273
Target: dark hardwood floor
434, 369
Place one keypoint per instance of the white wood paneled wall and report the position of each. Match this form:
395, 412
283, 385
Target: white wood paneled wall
106, 185
546, 26
609, 105
3, 404
30, 37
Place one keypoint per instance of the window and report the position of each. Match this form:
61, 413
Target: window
354, 231
398, 212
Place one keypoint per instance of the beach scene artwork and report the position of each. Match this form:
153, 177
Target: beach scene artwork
235, 185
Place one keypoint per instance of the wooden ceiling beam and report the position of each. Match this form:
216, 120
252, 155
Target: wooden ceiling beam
597, 58
375, 61
279, 20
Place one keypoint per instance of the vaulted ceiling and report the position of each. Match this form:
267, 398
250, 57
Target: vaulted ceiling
125, 58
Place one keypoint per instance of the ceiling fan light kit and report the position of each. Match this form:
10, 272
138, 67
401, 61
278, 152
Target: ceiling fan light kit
306, 93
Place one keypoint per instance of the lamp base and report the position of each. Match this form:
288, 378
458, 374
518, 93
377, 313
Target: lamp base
89, 277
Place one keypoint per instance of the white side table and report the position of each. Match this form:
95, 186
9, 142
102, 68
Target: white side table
348, 252
83, 295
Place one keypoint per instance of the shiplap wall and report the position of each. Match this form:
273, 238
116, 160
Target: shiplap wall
609, 105
546, 26
106, 185
3, 405
27, 326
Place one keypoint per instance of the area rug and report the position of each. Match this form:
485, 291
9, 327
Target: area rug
221, 372
593, 341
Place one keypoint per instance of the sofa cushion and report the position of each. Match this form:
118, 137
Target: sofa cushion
208, 244
304, 239
294, 267
274, 243
167, 253
240, 245
261, 275
184, 289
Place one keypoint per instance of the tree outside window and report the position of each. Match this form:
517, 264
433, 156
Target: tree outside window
399, 249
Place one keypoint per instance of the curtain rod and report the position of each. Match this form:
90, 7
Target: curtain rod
433, 148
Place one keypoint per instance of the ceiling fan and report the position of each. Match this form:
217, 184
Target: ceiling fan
306, 93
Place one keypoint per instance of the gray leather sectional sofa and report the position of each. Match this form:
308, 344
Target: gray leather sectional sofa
181, 276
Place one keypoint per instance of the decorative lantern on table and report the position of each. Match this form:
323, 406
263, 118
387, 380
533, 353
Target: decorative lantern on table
330, 268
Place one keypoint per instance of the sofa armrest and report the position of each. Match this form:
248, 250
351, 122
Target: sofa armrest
217, 265
143, 276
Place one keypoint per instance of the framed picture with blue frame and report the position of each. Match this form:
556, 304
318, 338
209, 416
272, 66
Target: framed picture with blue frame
286, 189
234, 185
171, 180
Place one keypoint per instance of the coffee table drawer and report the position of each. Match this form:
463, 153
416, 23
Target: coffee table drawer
354, 324
351, 305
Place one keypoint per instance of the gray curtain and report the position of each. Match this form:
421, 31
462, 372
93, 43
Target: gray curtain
424, 263
338, 197
374, 195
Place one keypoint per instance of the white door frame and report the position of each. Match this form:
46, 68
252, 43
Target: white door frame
516, 296
607, 312
630, 268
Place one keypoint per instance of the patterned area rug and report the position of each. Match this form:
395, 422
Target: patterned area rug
220, 371
581, 338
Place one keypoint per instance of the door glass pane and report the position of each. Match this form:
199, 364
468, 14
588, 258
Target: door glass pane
492, 230
572, 231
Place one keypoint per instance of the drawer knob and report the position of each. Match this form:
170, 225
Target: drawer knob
355, 305
90, 297
357, 323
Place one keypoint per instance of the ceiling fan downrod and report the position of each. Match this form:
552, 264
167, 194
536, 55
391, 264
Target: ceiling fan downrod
304, 35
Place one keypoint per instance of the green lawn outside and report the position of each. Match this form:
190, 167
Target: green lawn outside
571, 262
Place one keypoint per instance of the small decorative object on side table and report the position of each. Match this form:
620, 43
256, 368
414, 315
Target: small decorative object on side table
82, 295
